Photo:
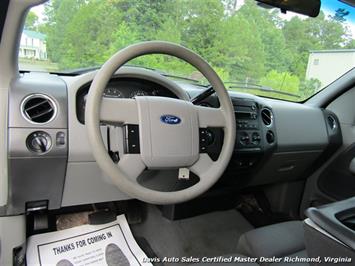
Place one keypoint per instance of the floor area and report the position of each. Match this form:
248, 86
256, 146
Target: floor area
211, 234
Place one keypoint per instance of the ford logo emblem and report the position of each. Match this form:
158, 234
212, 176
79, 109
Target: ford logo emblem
170, 119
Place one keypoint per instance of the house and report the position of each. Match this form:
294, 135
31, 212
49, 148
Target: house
328, 65
33, 45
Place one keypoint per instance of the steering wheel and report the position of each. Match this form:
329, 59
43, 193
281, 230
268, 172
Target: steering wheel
168, 128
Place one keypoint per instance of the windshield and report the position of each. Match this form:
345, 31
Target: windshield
253, 49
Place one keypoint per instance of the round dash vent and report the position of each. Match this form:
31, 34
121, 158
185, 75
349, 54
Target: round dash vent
266, 116
332, 122
38, 108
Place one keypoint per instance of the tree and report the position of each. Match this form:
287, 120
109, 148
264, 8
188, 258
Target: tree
264, 22
59, 13
31, 21
283, 81
240, 49
246, 43
340, 14
304, 35
201, 32
309, 87
230, 6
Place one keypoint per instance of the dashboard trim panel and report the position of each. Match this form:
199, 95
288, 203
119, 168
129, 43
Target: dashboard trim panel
300, 132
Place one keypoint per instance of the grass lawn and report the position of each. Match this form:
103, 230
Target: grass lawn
37, 65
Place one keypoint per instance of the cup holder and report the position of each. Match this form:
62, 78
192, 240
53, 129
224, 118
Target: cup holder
347, 218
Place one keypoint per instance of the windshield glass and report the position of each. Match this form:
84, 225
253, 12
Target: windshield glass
253, 49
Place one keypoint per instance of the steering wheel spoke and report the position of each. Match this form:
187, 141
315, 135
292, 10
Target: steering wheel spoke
202, 166
119, 111
131, 165
210, 117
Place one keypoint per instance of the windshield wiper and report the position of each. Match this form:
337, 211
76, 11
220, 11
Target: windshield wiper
252, 86
195, 81
79, 71
83, 70
166, 74
76, 71
149, 68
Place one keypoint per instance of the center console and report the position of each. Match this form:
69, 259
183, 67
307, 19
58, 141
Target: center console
330, 231
248, 125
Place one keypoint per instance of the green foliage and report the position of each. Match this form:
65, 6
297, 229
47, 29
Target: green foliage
31, 21
240, 49
309, 87
246, 44
273, 41
319, 33
340, 14
281, 80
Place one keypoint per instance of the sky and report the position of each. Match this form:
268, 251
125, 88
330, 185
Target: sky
330, 6
39, 11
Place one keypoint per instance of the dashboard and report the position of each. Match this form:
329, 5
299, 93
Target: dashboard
48, 141
278, 141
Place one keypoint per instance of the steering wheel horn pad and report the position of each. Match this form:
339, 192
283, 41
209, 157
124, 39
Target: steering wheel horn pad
168, 132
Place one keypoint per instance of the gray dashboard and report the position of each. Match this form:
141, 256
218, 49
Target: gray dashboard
304, 137
66, 174
35, 177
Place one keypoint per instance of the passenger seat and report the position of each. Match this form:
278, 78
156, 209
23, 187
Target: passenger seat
280, 240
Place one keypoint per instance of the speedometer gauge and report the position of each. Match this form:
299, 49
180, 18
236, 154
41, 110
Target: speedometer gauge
136, 93
113, 92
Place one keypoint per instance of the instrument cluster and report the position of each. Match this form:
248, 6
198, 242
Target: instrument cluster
122, 88
117, 91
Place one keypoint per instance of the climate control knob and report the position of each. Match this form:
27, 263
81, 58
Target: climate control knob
244, 138
255, 138
39, 142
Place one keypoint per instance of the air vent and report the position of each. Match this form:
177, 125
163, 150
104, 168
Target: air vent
266, 116
38, 108
332, 122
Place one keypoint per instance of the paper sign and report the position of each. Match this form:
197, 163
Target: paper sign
108, 244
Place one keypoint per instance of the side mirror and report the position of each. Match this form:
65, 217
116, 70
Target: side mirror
309, 8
